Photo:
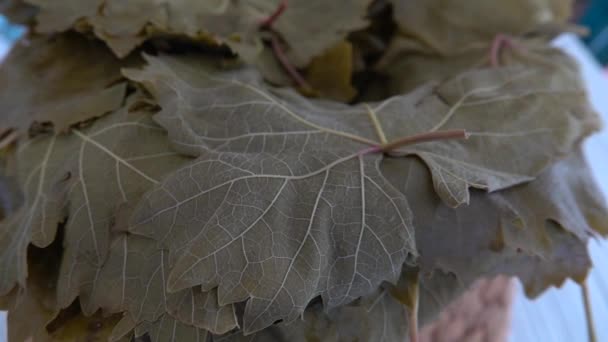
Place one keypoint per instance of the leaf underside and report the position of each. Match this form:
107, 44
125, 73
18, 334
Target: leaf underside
181, 197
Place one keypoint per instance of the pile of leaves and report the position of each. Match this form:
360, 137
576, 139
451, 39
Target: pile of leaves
267, 170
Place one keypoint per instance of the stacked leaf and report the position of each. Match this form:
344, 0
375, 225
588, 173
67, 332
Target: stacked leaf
181, 196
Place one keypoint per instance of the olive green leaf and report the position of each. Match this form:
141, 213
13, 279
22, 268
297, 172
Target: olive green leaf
537, 231
454, 43
310, 27
273, 166
444, 28
31, 311
86, 177
420, 67
167, 328
377, 317
132, 280
125, 25
52, 80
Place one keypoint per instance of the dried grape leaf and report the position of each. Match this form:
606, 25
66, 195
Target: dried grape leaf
377, 317
53, 80
119, 20
537, 231
135, 263
126, 25
27, 320
444, 27
30, 311
420, 67
310, 27
454, 43
86, 177
168, 328
201, 309
273, 166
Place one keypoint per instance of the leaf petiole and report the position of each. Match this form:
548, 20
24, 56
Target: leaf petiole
286, 64
268, 21
417, 139
592, 335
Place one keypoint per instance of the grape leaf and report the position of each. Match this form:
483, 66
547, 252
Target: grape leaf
236, 23
168, 328
30, 311
53, 80
100, 171
123, 26
377, 317
537, 231
86, 177
132, 280
273, 166
444, 28
310, 27
454, 43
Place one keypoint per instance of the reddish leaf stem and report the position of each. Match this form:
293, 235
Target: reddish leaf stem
424, 137
286, 64
417, 139
500, 41
268, 21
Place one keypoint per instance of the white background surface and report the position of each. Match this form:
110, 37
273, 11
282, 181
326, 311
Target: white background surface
558, 314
